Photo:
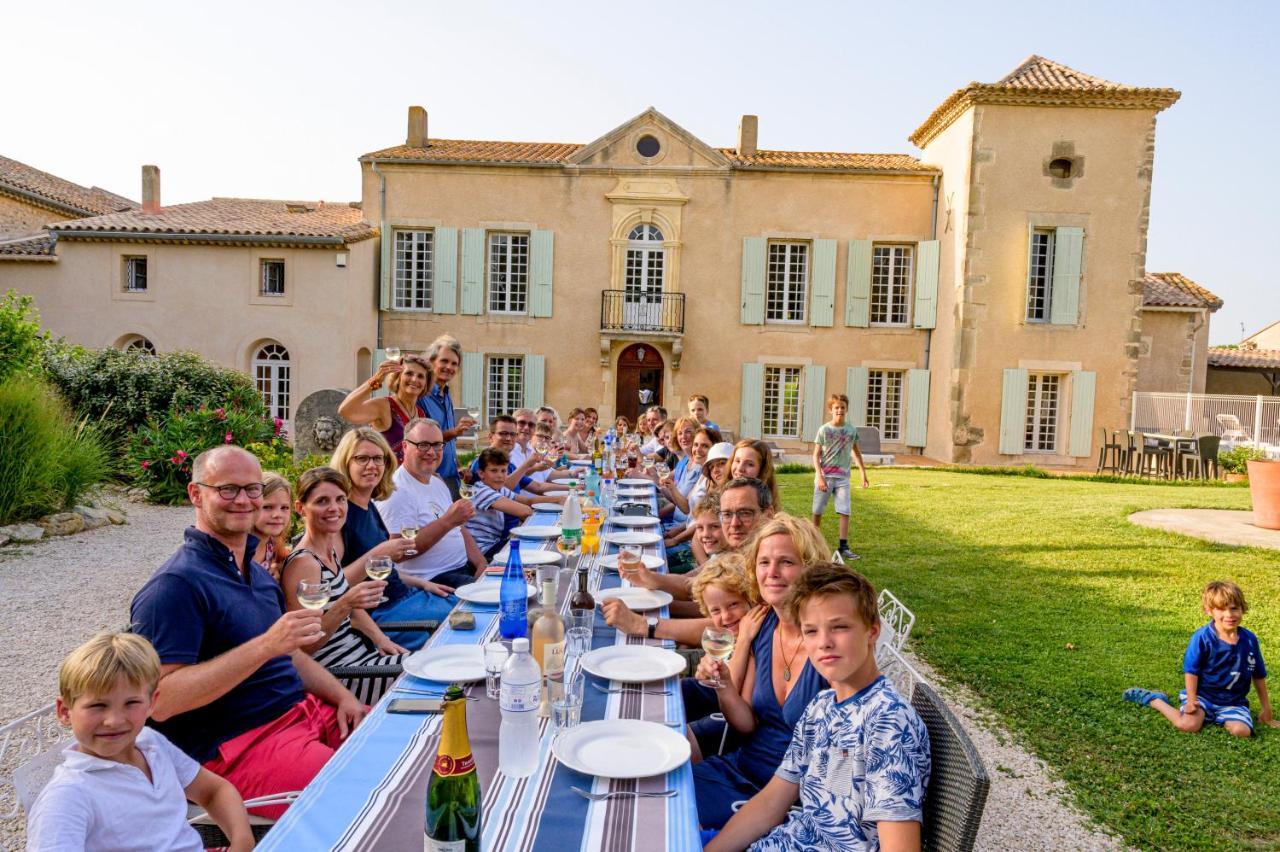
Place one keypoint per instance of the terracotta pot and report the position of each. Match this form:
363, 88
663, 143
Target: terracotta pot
1264, 491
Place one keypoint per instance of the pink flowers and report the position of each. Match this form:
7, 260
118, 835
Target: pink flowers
180, 454
279, 425
146, 465
227, 438
221, 412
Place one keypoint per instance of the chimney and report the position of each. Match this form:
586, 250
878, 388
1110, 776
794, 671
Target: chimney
150, 189
747, 129
417, 137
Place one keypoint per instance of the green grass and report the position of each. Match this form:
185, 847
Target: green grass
1041, 597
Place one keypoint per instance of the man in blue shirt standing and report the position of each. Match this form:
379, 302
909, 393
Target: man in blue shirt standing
445, 356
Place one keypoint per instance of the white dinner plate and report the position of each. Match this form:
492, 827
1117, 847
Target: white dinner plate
621, 748
537, 531
632, 537
637, 599
634, 492
635, 480
560, 493
653, 563
447, 663
528, 556
548, 507
485, 592
634, 521
633, 663
580, 462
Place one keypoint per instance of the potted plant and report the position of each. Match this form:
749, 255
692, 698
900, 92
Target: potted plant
1264, 491
1234, 462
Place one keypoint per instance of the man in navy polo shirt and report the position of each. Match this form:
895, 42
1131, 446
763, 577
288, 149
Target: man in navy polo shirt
502, 436
235, 692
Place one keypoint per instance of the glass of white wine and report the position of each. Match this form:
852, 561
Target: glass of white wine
465, 489
473, 411
393, 353
379, 568
568, 545
409, 534
718, 643
314, 595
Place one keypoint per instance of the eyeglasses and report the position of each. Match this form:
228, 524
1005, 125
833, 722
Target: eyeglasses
741, 515
426, 446
505, 434
525, 424
230, 492
369, 461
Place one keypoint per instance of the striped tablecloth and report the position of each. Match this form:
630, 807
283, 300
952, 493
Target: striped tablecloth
372, 794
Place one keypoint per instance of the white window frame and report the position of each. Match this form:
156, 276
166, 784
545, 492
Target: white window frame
503, 385
273, 376
1043, 430
413, 254
133, 281
507, 262
885, 402
141, 345
268, 287
892, 281
1040, 274
780, 416
786, 282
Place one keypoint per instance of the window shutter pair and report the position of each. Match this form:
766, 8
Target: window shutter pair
541, 264
857, 306
1013, 412
444, 284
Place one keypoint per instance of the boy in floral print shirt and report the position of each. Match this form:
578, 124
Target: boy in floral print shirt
859, 758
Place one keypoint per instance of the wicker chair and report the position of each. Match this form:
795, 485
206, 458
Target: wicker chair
958, 781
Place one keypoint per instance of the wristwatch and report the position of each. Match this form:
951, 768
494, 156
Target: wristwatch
653, 626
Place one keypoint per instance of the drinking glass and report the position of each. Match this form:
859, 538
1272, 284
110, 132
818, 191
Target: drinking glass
566, 707
568, 545
495, 655
473, 411
465, 489
577, 634
662, 470
630, 558
409, 533
379, 568
393, 353
314, 595
718, 643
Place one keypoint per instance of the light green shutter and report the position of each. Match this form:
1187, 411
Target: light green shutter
1083, 383
473, 270
926, 313
472, 379
444, 289
815, 400
855, 383
542, 256
1013, 412
857, 306
822, 295
753, 253
917, 408
534, 380
752, 397
379, 355
384, 271
1068, 248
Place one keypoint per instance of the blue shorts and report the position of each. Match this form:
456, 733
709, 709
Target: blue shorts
1219, 714
837, 485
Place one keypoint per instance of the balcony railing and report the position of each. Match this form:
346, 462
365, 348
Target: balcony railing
646, 312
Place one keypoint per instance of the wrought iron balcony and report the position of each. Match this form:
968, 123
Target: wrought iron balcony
654, 313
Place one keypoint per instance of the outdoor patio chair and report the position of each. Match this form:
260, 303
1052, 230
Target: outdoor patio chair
1231, 428
1151, 459
1201, 458
895, 668
869, 446
896, 622
958, 781
1109, 452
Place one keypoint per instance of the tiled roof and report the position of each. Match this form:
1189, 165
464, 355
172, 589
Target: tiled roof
27, 248
557, 153
290, 221
1174, 290
1043, 82
1226, 356
53, 190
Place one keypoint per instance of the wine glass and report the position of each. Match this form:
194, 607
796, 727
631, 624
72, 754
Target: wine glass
379, 568
409, 533
473, 411
718, 643
568, 545
314, 594
465, 489
393, 353
630, 558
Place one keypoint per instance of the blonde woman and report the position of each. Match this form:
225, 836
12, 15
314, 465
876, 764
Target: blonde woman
410, 380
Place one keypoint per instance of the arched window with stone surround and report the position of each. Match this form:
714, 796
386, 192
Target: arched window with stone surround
138, 345
272, 375
644, 276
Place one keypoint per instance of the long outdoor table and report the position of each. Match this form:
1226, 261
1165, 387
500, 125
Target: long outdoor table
372, 793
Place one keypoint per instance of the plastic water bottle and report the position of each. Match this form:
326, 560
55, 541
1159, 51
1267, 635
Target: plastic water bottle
513, 610
520, 696
571, 517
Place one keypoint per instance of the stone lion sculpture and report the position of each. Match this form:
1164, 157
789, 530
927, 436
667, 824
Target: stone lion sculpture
326, 432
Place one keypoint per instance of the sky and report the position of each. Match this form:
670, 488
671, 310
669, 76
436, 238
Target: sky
278, 99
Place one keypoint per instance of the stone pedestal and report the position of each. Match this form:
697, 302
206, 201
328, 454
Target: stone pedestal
317, 427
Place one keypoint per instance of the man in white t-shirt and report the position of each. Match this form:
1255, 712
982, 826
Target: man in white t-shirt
525, 424
446, 552
656, 415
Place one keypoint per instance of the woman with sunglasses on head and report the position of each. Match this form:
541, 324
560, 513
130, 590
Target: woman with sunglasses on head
410, 381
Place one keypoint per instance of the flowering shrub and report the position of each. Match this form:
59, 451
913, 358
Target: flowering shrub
161, 452
279, 458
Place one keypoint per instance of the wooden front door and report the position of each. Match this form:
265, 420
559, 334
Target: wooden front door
639, 378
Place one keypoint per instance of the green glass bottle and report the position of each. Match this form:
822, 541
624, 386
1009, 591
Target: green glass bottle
453, 794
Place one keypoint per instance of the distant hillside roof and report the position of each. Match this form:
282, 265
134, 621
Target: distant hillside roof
1174, 290
1043, 82
223, 220
1227, 356
54, 192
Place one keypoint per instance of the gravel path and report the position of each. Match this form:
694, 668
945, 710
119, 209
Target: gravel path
99, 571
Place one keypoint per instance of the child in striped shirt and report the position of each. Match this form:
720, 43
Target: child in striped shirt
498, 509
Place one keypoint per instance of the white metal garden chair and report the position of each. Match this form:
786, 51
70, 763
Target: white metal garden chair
896, 622
1231, 428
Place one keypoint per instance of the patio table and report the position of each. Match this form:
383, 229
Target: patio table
372, 793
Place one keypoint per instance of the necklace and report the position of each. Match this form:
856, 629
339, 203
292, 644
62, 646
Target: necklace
786, 661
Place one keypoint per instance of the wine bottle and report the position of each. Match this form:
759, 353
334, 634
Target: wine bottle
582, 601
548, 644
453, 793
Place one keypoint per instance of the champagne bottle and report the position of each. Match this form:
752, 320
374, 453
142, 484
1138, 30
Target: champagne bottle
548, 645
453, 793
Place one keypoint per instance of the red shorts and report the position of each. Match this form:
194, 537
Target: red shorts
281, 756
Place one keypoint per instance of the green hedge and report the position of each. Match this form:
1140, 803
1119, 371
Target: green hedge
21, 339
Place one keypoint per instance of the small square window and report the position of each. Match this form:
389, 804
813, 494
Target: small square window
135, 274
273, 277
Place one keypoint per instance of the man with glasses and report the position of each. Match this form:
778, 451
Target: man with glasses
744, 502
503, 433
447, 555
526, 422
236, 692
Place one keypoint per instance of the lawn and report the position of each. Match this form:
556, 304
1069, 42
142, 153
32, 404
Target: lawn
1039, 596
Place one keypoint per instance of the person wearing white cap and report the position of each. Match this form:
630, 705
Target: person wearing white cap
715, 471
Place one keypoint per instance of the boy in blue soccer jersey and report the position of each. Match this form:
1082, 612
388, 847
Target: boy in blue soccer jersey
859, 757
1222, 659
